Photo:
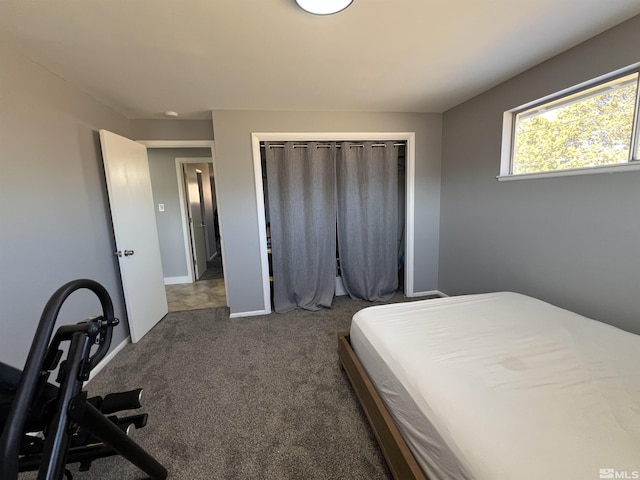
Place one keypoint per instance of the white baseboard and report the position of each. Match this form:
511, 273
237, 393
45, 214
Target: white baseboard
430, 292
249, 314
175, 280
110, 356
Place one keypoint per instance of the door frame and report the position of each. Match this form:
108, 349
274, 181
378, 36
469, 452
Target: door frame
410, 173
182, 198
197, 144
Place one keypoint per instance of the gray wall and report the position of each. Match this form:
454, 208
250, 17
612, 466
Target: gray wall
237, 195
169, 129
572, 241
164, 184
55, 222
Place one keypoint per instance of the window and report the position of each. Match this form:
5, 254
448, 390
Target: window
590, 127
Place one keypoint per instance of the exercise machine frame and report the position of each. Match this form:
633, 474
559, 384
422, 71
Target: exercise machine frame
69, 411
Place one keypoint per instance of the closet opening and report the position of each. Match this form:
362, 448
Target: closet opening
395, 206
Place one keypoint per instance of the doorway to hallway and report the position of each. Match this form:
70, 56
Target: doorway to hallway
188, 285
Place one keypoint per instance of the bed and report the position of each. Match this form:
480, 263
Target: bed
496, 386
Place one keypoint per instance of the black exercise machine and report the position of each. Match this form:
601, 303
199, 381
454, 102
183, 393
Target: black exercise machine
45, 427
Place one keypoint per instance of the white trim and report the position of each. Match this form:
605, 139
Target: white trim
256, 138
410, 173
507, 142
176, 280
110, 356
409, 137
176, 143
620, 167
430, 292
249, 314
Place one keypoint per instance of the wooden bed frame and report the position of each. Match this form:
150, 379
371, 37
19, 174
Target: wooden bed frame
401, 461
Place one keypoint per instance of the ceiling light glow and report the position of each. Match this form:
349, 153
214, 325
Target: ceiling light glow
323, 7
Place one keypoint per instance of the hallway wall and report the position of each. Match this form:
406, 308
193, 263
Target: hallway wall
164, 185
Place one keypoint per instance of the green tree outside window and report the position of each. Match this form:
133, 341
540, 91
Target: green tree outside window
587, 129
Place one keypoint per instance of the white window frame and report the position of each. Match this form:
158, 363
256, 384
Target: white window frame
508, 133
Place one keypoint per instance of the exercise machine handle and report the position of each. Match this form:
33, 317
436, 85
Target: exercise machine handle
10, 439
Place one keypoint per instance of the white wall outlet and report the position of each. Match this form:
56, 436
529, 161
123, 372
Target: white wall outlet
161, 207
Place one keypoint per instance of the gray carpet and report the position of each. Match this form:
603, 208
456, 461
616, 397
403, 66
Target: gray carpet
246, 398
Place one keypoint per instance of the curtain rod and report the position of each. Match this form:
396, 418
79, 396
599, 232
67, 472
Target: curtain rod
326, 145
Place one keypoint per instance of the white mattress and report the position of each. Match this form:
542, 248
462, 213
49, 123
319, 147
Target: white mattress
505, 387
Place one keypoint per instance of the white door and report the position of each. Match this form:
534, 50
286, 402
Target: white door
196, 220
134, 225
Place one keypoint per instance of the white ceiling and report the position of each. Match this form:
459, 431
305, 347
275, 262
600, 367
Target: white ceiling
143, 57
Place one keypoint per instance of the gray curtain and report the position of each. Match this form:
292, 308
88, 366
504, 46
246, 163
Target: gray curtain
367, 182
301, 190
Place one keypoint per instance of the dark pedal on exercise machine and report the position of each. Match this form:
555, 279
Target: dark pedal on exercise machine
45, 427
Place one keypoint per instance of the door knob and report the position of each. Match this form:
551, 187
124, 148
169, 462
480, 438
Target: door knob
128, 253
117, 253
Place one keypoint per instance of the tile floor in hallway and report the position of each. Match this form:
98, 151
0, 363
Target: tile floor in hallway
193, 296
